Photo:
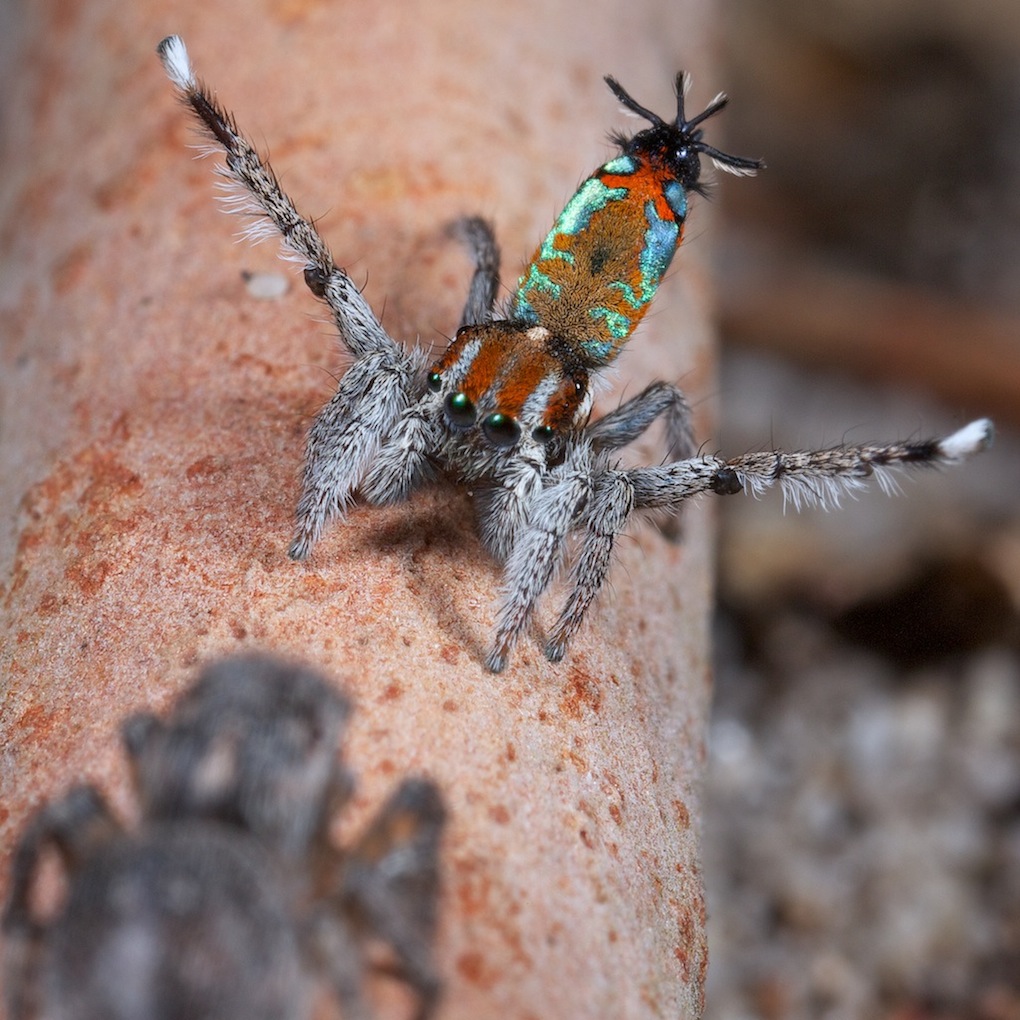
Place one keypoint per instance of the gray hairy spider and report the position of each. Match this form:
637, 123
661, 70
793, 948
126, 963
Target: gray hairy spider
506, 409
228, 901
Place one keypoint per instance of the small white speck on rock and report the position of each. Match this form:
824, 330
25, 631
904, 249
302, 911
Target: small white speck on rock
266, 286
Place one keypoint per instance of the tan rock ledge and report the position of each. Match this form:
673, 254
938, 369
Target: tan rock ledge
153, 412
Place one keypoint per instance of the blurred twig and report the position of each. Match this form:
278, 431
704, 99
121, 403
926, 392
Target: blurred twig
829, 317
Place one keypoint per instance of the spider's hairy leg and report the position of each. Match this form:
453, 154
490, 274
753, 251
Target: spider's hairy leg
477, 234
403, 461
503, 508
622, 426
606, 514
539, 548
805, 477
383, 379
822, 476
72, 825
332, 945
261, 196
391, 883
347, 435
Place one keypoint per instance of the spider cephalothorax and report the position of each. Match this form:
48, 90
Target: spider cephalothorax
507, 407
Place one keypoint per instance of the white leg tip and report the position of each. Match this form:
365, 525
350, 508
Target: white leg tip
971, 439
174, 55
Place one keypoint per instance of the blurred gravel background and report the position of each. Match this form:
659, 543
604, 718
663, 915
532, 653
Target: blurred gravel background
862, 845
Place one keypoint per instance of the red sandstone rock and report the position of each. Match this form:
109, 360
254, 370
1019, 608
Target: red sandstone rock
153, 421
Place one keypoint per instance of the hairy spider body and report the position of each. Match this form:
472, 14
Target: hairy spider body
146, 915
229, 899
506, 409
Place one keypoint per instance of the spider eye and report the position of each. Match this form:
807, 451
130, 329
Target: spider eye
460, 410
434, 382
501, 429
543, 434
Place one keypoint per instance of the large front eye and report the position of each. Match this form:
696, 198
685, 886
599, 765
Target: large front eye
501, 429
460, 410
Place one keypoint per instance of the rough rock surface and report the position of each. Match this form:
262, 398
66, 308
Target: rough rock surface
153, 410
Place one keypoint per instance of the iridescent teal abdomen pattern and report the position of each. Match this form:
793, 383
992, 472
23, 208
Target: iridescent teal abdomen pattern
591, 280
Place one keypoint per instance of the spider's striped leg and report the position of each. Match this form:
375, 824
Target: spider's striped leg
817, 476
478, 235
822, 476
255, 191
347, 435
538, 550
383, 379
606, 514
805, 477
622, 426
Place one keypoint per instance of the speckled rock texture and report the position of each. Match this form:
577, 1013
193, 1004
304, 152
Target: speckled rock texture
154, 403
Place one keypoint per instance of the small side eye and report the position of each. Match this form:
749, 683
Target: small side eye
434, 382
460, 410
501, 429
543, 434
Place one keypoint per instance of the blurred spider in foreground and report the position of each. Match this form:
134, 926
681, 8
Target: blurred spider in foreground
228, 900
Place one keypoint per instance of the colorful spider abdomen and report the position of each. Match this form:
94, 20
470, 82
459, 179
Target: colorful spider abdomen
591, 280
